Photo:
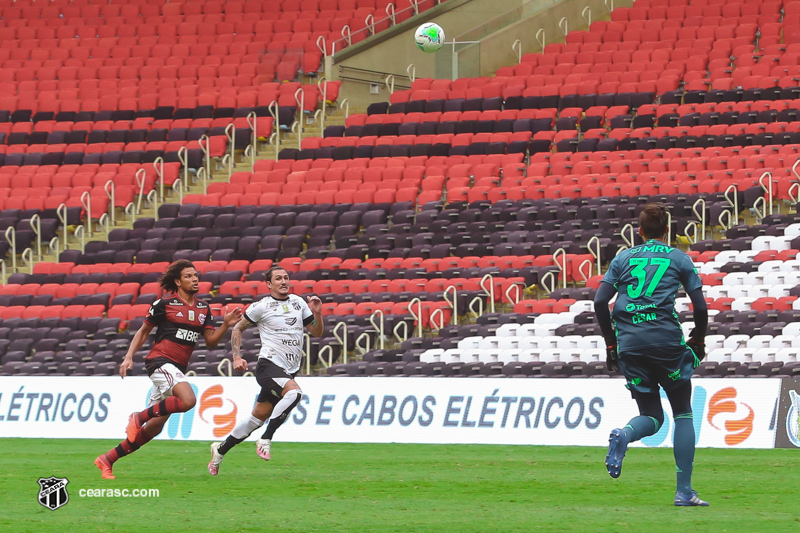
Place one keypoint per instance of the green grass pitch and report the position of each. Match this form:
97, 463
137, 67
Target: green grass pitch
396, 488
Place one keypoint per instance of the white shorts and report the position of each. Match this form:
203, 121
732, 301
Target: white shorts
164, 378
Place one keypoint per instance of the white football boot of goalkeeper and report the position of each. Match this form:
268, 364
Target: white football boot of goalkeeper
262, 448
216, 459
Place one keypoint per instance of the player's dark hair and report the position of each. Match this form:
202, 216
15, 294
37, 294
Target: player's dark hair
268, 273
653, 220
173, 274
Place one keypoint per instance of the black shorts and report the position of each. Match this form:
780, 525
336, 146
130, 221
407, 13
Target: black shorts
645, 369
271, 378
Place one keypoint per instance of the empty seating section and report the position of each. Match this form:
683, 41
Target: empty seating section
495, 199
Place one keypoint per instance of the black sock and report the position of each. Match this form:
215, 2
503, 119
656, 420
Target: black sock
229, 443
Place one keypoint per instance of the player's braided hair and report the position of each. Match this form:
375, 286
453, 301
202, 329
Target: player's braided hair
173, 274
653, 220
268, 273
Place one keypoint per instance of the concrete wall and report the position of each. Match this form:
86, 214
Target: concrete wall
495, 50
394, 50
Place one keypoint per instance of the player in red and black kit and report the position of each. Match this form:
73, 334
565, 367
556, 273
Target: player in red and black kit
181, 320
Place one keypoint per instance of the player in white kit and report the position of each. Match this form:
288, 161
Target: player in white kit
280, 318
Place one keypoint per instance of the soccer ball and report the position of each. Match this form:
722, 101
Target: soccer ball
429, 37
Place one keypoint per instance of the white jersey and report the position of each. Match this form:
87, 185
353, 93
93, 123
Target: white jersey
280, 326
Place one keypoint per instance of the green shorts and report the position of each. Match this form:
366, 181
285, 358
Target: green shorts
646, 369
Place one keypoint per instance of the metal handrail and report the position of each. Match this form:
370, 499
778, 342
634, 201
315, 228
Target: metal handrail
364, 335
110, 189
726, 214
389, 82
437, 313
36, 227
183, 157
179, 189
628, 242
11, 238
562, 268
587, 19
595, 240
230, 133
543, 39
227, 165
411, 70
202, 177
490, 291
205, 145
3, 272
55, 247
152, 197
516, 47
103, 222
130, 211
453, 304
347, 35
471, 306
80, 236
701, 216
735, 202
329, 350
158, 166
609, 5
794, 193
342, 339
691, 231
345, 107
543, 281
229, 364
252, 121
61, 213
274, 111
563, 25
27, 259
767, 188
141, 179
416, 316
301, 103
580, 270
379, 328
518, 290
86, 202
397, 326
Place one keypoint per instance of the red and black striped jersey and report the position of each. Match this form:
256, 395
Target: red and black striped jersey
180, 325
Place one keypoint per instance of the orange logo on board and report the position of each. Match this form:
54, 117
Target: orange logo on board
724, 402
212, 399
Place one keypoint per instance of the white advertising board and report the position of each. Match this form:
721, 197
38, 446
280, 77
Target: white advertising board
727, 413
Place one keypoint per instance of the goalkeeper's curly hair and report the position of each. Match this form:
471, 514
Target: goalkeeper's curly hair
173, 274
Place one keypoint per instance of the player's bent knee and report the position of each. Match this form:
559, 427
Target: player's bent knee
296, 393
188, 403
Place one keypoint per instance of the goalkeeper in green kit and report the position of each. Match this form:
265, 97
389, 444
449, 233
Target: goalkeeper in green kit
645, 342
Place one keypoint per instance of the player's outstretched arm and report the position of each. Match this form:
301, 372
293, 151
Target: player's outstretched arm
236, 344
213, 337
136, 343
316, 327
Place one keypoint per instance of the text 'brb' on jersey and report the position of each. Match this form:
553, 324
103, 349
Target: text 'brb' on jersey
280, 326
180, 325
647, 278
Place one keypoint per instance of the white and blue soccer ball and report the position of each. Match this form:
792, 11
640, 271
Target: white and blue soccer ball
429, 37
